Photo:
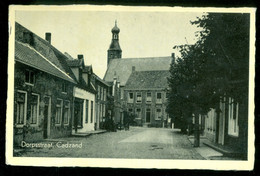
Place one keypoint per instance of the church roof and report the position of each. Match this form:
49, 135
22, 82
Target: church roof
148, 80
114, 45
115, 28
122, 68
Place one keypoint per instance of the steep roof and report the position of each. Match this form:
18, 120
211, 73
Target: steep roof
101, 80
88, 69
114, 45
148, 80
27, 55
74, 63
44, 48
122, 68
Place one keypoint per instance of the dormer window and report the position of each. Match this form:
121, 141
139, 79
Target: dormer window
29, 77
64, 88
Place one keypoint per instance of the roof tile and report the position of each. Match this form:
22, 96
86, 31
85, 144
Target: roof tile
148, 80
123, 67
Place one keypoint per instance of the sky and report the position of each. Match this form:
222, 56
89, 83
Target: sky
142, 33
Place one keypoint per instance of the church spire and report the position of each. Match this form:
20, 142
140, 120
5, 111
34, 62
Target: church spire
114, 51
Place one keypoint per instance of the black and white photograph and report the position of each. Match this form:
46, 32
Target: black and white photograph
131, 87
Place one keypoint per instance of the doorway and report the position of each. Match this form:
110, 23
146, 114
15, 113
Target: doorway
148, 115
78, 114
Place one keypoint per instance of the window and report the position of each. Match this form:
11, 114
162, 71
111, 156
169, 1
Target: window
148, 97
138, 97
105, 94
130, 97
101, 94
121, 93
64, 88
34, 108
98, 93
159, 97
130, 110
21, 107
29, 77
86, 111
158, 114
91, 115
104, 110
138, 113
66, 112
233, 117
58, 111
101, 111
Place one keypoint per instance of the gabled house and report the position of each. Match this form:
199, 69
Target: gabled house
145, 92
43, 89
84, 96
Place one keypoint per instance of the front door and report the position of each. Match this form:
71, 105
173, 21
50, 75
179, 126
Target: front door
148, 116
76, 116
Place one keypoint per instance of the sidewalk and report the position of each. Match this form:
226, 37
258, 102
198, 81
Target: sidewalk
88, 133
213, 151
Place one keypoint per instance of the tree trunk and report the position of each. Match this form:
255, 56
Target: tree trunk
196, 131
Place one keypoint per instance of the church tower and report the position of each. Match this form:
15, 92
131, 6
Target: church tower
114, 51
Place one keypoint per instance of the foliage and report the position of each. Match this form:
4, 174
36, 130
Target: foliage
215, 65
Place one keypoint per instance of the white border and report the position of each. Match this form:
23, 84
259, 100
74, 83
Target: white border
128, 163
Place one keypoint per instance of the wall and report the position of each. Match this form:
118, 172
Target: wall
210, 125
101, 103
236, 143
153, 105
84, 95
45, 85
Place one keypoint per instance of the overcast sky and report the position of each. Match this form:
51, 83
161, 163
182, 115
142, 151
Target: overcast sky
142, 34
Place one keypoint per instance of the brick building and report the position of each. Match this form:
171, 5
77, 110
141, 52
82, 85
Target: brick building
145, 92
43, 89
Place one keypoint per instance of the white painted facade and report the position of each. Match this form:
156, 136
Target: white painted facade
85, 95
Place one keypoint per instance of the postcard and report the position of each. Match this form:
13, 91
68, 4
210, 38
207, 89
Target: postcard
131, 87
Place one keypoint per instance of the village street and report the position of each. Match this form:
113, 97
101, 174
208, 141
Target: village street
146, 143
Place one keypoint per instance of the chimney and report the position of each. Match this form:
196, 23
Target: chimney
48, 37
80, 56
133, 68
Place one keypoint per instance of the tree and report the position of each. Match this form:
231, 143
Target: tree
216, 65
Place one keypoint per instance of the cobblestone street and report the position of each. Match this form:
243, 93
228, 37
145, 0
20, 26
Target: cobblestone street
140, 143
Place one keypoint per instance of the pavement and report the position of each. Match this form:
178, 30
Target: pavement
138, 143
210, 151
88, 133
